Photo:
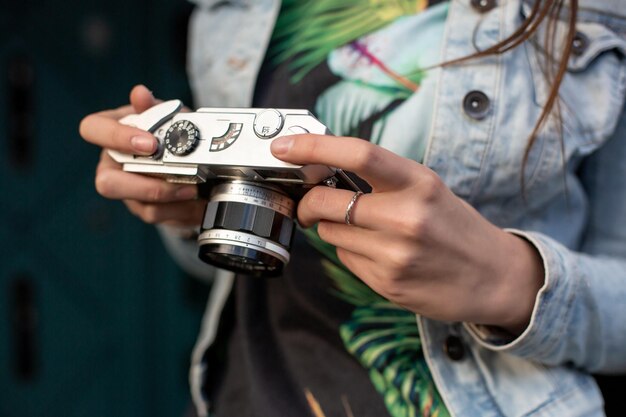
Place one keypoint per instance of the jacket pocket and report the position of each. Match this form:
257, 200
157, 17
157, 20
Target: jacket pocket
592, 91
591, 98
522, 388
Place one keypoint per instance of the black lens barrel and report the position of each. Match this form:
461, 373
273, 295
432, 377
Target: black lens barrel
249, 218
247, 228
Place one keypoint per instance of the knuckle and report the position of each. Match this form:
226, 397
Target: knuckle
325, 231
133, 207
150, 214
103, 183
157, 193
312, 147
400, 259
316, 198
82, 126
366, 156
342, 255
430, 187
416, 226
392, 287
412, 224
103, 162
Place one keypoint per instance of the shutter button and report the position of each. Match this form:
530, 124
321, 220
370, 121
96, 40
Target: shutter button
483, 6
476, 105
297, 130
453, 347
579, 43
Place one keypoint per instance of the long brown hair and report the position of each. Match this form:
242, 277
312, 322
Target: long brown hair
553, 65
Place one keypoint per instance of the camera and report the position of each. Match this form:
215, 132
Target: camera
249, 222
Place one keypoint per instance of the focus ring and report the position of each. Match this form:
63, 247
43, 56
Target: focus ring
258, 220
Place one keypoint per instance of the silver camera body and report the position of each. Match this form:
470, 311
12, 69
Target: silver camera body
248, 225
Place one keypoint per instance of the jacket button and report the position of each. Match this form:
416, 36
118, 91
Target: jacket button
483, 6
476, 104
579, 43
453, 346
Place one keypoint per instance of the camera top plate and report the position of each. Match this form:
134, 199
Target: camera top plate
229, 143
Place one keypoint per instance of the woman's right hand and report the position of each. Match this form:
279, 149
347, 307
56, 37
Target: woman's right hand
151, 199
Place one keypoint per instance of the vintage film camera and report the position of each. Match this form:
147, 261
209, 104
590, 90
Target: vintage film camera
248, 225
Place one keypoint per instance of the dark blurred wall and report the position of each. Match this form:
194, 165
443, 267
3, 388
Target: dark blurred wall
95, 319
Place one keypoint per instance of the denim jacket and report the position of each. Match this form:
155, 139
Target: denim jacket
574, 210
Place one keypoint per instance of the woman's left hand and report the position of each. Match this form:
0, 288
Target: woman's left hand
413, 241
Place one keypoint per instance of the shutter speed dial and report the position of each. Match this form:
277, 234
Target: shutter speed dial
182, 138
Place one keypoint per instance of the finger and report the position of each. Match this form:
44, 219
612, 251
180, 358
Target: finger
102, 130
381, 168
361, 266
107, 162
384, 248
116, 184
374, 276
141, 98
395, 210
324, 203
187, 213
118, 113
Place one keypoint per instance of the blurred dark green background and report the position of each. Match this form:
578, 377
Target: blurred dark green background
95, 319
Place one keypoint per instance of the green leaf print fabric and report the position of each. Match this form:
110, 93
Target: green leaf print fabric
385, 340
376, 48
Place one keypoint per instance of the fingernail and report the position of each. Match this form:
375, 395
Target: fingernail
281, 145
143, 144
187, 192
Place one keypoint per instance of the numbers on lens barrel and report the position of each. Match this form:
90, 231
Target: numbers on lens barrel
261, 197
245, 238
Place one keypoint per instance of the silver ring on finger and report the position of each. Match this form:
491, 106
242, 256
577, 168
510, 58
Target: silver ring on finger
350, 207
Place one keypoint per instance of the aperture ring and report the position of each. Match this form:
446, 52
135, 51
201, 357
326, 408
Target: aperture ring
230, 237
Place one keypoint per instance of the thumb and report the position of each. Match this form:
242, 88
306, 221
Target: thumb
142, 99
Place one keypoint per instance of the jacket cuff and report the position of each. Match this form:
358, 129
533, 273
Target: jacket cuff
551, 313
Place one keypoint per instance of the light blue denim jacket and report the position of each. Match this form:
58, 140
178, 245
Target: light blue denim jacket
579, 320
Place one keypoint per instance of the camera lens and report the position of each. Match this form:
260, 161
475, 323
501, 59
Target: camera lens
247, 228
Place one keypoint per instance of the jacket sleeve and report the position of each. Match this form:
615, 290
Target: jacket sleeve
579, 316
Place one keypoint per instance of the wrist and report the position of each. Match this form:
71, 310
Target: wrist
522, 277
